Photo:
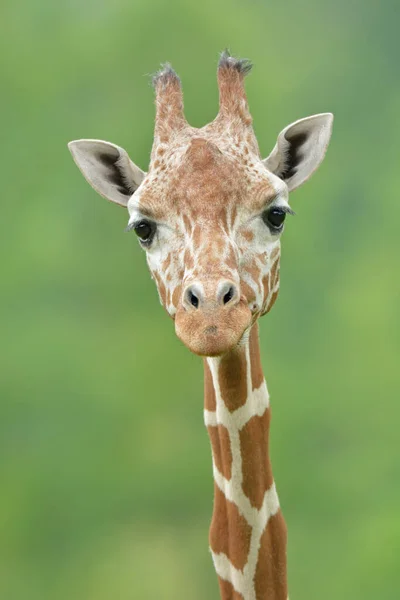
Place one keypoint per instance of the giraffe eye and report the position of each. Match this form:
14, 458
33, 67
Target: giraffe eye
274, 218
145, 231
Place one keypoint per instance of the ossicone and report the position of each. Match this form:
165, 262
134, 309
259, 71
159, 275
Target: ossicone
169, 104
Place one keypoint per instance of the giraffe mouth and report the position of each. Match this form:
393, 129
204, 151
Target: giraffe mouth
213, 332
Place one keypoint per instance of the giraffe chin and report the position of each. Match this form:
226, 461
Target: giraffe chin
212, 332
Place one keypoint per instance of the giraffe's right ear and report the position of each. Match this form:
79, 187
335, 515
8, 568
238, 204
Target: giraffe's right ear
107, 168
300, 149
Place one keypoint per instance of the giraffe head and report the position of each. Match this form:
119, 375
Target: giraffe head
210, 211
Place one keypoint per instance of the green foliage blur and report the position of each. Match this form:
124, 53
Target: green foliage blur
105, 466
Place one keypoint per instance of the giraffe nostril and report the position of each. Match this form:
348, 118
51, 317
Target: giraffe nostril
193, 299
228, 295
219, 295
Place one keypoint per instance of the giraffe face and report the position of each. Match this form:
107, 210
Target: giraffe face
209, 212
211, 215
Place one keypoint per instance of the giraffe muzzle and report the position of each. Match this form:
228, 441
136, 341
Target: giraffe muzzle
212, 317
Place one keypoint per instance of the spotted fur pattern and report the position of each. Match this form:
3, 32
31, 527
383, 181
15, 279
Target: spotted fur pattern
248, 532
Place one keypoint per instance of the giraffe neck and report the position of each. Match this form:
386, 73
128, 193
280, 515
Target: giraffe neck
248, 532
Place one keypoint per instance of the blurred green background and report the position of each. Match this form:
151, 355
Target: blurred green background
105, 467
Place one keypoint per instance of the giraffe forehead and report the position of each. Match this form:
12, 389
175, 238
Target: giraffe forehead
206, 183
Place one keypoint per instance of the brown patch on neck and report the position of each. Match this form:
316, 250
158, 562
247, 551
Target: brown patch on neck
256, 466
257, 375
270, 579
229, 533
209, 391
232, 375
227, 590
221, 449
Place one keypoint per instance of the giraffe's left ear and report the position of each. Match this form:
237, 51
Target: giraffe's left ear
300, 149
107, 168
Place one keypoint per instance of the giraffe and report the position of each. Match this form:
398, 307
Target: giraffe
209, 214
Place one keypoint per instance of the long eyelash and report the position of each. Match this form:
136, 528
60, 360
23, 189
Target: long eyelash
129, 227
287, 210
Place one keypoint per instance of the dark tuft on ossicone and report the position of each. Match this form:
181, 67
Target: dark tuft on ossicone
241, 65
164, 75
